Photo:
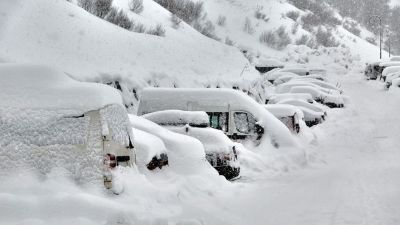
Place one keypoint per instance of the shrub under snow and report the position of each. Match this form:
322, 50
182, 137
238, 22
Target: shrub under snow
158, 31
187, 10
119, 18
136, 6
277, 40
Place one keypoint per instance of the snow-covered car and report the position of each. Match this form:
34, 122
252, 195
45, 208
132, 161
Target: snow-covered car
288, 115
388, 71
315, 106
265, 65
285, 78
299, 70
220, 150
275, 98
185, 154
276, 74
395, 83
239, 116
286, 87
330, 100
395, 58
151, 152
384, 65
322, 84
49, 121
389, 79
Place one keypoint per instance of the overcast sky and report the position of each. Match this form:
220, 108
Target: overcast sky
395, 2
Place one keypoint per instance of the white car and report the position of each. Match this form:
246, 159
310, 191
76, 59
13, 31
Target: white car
389, 79
151, 152
286, 87
330, 100
275, 98
49, 120
274, 75
221, 152
285, 78
186, 155
288, 115
315, 106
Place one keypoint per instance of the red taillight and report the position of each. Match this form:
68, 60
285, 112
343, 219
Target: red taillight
110, 161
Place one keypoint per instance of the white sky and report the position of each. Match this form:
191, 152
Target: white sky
395, 2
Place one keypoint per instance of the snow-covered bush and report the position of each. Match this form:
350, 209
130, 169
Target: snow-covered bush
187, 10
176, 21
102, 7
325, 38
277, 40
283, 38
229, 42
136, 6
294, 15
268, 37
302, 40
119, 18
295, 28
221, 21
371, 40
207, 29
158, 31
259, 14
138, 27
86, 5
248, 27
352, 26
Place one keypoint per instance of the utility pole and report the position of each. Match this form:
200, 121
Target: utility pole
380, 32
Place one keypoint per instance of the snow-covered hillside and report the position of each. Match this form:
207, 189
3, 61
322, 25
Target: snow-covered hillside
273, 15
63, 35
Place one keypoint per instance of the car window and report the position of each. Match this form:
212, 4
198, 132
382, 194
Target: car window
244, 122
219, 120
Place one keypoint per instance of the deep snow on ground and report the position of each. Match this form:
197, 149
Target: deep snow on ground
352, 178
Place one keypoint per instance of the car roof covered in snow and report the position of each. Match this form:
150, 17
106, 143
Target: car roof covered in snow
282, 110
391, 63
179, 117
395, 58
300, 96
268, 62
41, 87
390, 69
299, 70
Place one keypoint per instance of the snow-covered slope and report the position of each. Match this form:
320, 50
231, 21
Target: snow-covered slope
237, 12
65, 36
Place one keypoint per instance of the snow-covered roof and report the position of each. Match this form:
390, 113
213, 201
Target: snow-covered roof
281, 110
297, 70
268, 62
391, 69
387, 64
299, 96
178, 117
395, 58
212, 139
41, 87
273, 75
